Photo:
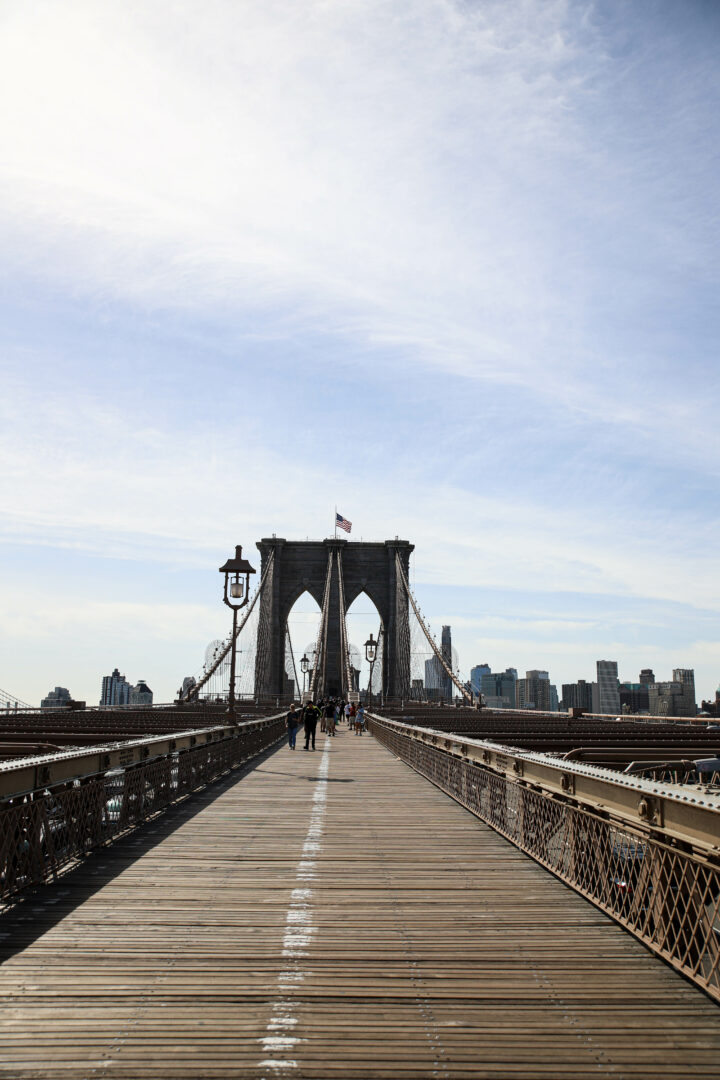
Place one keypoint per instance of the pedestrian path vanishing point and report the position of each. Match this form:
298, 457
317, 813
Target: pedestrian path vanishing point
332, 914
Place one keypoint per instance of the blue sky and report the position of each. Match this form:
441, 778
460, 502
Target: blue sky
452, 266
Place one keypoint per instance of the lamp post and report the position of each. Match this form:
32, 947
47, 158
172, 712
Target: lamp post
236, 594
304, 665
370, 656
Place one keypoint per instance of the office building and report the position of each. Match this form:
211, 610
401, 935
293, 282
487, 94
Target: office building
417, 690
476, 675
676, 697
608, 687
56, 699
115, 689
435, 678
533, 692
141, 694
686, 676
634, 697
499, 688
577, 695
647, 676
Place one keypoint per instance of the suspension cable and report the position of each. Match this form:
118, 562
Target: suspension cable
292, 656
194, 690
446, 667
321, 641
344, 645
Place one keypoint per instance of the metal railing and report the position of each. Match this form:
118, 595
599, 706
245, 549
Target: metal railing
56, 808
647, 854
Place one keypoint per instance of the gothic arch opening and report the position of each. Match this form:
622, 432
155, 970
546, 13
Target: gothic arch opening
363, 619
302, 623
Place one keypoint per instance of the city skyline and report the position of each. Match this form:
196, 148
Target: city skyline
450, 266
480, 678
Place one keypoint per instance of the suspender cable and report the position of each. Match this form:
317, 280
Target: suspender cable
448, 670
321, 642
288, 641
344, 644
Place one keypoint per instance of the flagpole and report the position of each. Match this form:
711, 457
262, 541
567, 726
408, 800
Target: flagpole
336, 522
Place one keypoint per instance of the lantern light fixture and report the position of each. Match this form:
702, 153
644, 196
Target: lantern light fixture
236, 594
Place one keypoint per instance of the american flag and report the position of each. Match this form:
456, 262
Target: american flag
342, 523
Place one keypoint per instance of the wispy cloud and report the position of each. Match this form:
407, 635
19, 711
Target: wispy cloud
456, 262
422, 179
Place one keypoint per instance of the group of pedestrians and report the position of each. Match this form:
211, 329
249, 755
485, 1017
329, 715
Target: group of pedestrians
329, 712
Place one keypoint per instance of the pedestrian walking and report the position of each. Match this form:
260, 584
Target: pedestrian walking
310, 717
360, 718
292, 722
329, 718
348, 714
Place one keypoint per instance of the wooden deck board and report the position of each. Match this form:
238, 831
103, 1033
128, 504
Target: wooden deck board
333, 915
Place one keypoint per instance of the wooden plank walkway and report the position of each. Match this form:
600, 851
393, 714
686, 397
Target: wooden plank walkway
332, 914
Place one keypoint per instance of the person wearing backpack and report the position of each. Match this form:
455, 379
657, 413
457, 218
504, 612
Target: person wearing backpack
310, 717
292, 722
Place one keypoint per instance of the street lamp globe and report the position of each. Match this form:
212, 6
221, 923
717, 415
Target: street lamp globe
237, 573
371, 650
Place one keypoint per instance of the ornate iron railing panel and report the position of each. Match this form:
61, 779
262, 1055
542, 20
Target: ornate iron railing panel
650, 865
57, 808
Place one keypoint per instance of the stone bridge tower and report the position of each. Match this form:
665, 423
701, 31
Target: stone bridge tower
300, 566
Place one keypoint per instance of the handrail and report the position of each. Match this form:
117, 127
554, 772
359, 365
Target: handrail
19, 776
646, 853
690, 814
55, 808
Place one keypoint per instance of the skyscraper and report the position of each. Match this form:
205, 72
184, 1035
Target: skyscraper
634, 697
577, 695
115, 689
498, 688
686, 678
476, 675
534, 690
608, 686
434, 676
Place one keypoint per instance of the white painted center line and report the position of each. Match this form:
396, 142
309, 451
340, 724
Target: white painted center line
299, 931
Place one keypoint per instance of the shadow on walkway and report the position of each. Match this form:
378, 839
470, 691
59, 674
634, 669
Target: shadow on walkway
44, 906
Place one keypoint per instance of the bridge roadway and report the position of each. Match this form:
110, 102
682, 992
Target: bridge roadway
333, 915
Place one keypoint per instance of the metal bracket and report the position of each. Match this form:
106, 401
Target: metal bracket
567, 783
650, 810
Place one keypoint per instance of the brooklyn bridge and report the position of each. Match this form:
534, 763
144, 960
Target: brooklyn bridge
461, 893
